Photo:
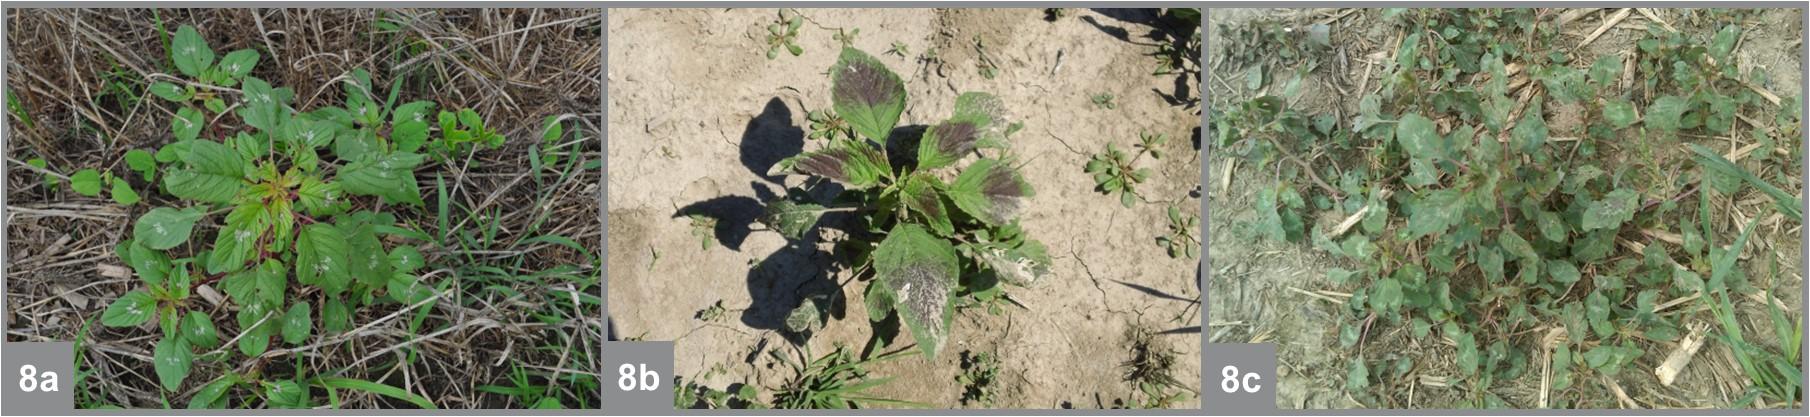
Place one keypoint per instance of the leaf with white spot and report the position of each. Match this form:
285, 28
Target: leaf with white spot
320, 258
391, 177
163, 227
866, 94
172, 358
215, 173
190, 52
298, 323
199, 330
919, 271
129, 310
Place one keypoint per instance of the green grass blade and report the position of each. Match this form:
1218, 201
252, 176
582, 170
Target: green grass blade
375, 388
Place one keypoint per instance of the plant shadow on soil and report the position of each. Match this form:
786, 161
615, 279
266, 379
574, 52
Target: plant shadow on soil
1162, 29
790, 275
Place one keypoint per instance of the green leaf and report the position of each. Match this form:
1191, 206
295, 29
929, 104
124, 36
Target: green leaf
163, 227
805, 318
263, 105
364, 253
123, 194
879, 302
335, 317
1620, 113
1467, 349
318, 197
141, 161
86, 182
321, 259
1614, 209
129, 310
1515, 245
237, 64
990, 190
866, 94
920, 271
1530, 133
209, 396
187, 124
406, 259
1724, 43
1664, 113
172, 358
791, 218
977, 122
1419, 138
284, 394
407, 289
849, 162
1025, 265
1552, 226
254, 337
375, 388
215, 173
1562, 272
391, 177
199, 329
149, 264
1357, 376
238, 240
190, 52
1386, 295
920, 195
170, 91
1596, 309
298, 323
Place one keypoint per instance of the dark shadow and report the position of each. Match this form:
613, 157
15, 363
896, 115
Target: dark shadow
769, 138
1156, 292
902, 145
785, 280
1181, 330
733, 214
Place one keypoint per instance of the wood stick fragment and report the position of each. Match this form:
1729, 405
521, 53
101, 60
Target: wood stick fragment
1607, 24
1681, 356
1620, 396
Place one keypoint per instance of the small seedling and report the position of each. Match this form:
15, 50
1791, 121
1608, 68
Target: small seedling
783, 34
980, 372
1054, 13
1104, 100
899, 49
703, 228
1114, 173
827, 125
1181, 241
846, 37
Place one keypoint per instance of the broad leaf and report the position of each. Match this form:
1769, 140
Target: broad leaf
123, 194
255, 324
364, 254
236, 64
920, 195
263, 105
163, 227
1664, 113
919, 271
1022, 266
199, 329
86, 182
129, 310
318, 197
172, 358
321, 259
1419, 138
150, 265
1619, 112
190, 52
805, 318
214, 174
238, 241
1610, 212
210, 395
855, 164
391, 177
406, 259
866, 94
298, 323
946, 142
335, 317
990, 191
791, 218
170, 91
187, 124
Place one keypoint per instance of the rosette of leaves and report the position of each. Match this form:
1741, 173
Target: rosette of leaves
925, 240
262, 215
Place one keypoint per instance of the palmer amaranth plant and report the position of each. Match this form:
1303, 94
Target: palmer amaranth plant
919, 255
287, 215
1469, 219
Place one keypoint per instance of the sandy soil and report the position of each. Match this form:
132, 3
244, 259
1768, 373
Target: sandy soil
698, 115
1259, 286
